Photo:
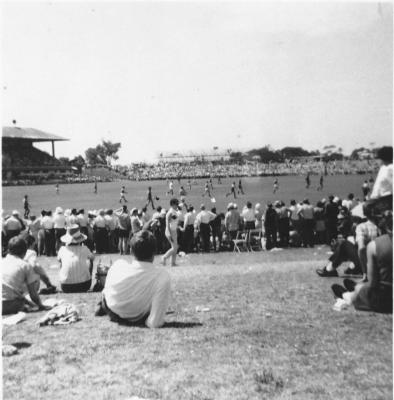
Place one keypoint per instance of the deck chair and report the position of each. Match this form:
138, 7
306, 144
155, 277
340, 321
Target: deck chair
240, 242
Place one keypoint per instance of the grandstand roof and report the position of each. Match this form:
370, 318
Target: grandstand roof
14, 132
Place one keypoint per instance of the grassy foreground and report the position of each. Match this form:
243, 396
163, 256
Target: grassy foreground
248, 326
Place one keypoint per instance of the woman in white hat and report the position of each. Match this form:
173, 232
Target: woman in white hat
76, 262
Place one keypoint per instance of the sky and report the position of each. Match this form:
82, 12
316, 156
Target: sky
165, 77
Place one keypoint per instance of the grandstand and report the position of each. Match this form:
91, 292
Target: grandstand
22, 161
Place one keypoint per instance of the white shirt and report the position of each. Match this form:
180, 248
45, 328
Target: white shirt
100, 222
59, 221
204, 217
47, 222
74, 264
136, 289
384, 182
248, 214
82, 220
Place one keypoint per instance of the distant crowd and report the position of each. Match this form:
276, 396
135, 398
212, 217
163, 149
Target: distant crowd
198, 170
139, 292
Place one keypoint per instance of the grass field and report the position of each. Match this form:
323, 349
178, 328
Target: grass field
256, 190
268, 332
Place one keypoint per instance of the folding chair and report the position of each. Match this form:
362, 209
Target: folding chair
240, 242
255, 236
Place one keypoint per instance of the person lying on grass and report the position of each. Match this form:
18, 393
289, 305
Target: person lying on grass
18, 276
137, 292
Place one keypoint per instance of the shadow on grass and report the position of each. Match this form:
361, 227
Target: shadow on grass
182, 325
172, 324
21, 345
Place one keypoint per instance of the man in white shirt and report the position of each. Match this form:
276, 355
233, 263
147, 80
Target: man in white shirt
137, 292
203, 218
59, 223
384, 181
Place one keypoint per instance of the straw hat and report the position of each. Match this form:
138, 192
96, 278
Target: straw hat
15, 213
73, 235
59, 210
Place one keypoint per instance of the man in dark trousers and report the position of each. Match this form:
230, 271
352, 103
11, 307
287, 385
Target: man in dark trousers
331, 213
271, 226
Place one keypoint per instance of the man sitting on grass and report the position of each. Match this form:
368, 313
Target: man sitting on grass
138, 292
18, 276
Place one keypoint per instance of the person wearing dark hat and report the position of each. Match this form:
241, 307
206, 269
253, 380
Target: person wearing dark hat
17, 275
76, 262
383, 185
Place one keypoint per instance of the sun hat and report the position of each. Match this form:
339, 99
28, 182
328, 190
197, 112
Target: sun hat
67, 213
59, 210
73, 235
133, 210
229, 206
15, 213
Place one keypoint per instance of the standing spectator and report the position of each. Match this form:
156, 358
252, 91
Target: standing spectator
59, 224
111, 223
101, 232
73, 218
124, 227
248, 220
188, 230
331, 212
350, 202
83, 221
383, 185
158, 231
216, 228
271, 226
307, 223
258, 214
232, 222
171, 232
365, 189
320, 223
203, 219
283, 224
49, 234
136, 224
26, 206
294, 217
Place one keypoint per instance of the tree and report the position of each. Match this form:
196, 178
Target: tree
294, 152
110, 151
102, 154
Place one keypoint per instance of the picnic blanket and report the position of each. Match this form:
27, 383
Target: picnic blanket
62, 314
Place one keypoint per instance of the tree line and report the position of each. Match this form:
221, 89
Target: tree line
106, 152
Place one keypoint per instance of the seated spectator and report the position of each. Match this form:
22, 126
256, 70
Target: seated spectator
137, 292
76, 262
31, 258
377, 293
13, 226
17, 276
348, 249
